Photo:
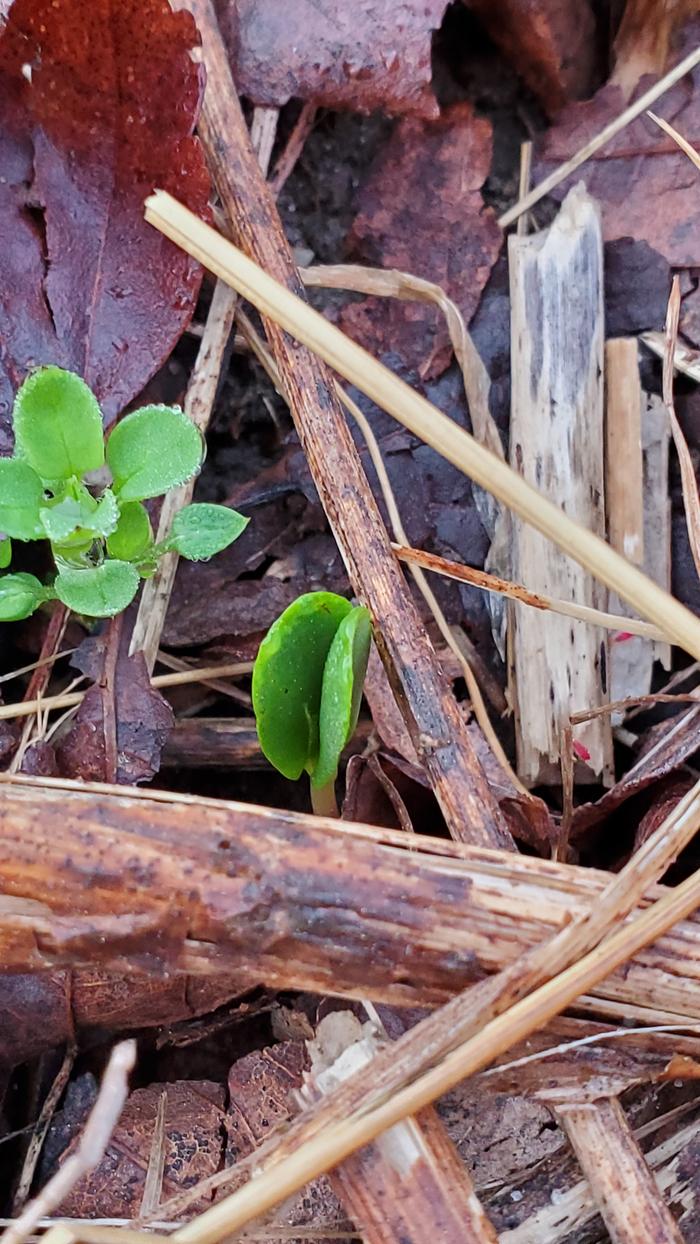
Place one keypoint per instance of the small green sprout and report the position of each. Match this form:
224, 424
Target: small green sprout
307, 687
100, 534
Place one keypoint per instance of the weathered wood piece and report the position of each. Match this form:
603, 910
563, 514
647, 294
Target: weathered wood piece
426, 700
141, 885
656, 438
624, 501
573, 1214
622, 1183
637, 504
556, 443
410, 1185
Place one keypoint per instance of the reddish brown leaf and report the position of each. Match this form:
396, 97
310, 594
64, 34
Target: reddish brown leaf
35, 1013
668, 745
362, 56
122, 724
550, 43
421, 210
193, 1149
46, 1009
98, 104
260, 1098
646, 186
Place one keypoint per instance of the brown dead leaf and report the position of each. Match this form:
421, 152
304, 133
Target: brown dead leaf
364, 56
122, 724
46, 1009
421, 211
260, 1088
97, 106
550, 43
646, 186
35, 1013
668, 745
193, 1149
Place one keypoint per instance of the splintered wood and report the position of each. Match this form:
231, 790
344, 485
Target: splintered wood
637, 505
410, 1183
558, 666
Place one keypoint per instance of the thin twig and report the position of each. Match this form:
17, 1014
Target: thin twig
41, 1127
295, 145
609, 131
682, 142
422, 418
630, 702
214, 684
234, 669
492, 583
685, 360
199, 405
93, 1142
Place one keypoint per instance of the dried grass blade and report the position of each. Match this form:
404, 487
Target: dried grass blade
682, 142
492, 583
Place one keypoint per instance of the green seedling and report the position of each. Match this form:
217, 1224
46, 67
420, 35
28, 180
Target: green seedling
100, 533
307, 687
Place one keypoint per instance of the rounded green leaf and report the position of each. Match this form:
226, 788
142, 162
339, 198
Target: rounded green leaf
97, 591
200, 531
57, 423
343, 678
21, 496
153, 450
133, 534
288, 678
20, 595
5, 552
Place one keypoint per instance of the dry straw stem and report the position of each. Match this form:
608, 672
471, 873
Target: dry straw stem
609, 131
48, 703
682, 142
41, 1127
392, 283
685, 360
335, 1142
421, 417
492, 583
463, 1016
93, 1142
199, 404
691, 502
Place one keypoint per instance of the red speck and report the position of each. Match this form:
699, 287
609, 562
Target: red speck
581, 751
622, 636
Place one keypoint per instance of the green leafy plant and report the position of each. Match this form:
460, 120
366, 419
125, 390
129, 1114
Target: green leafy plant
100, 534
307, 687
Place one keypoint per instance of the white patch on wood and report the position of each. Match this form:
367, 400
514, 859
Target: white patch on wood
558, 666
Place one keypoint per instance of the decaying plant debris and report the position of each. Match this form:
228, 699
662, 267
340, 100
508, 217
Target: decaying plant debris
469, 1009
